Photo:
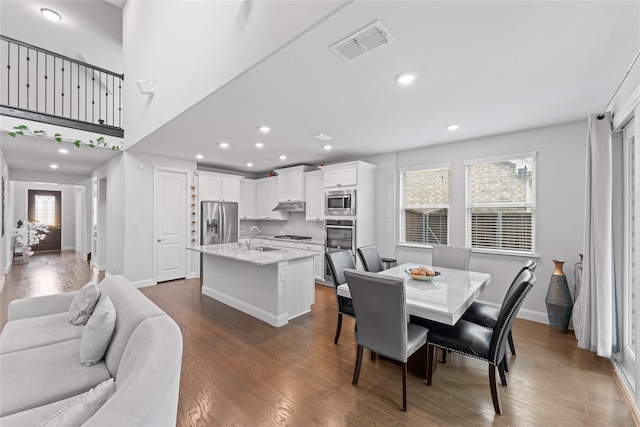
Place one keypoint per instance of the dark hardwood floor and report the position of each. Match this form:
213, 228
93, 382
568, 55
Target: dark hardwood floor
240, 371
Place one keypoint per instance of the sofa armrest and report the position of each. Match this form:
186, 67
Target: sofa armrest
40, 306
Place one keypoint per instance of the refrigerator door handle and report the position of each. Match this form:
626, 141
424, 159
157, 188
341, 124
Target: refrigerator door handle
222, 225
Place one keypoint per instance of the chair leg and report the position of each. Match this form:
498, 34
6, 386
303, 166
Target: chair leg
503, 377
431, 349
338, 328
444, 355
373, 356
356, 373
511, 345
506, 365
404, 386
494, 389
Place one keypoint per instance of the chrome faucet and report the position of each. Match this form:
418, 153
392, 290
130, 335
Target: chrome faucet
250, 235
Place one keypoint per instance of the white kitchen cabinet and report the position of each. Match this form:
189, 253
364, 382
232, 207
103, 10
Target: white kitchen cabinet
283, 244
341, 177
315, 197
291, 183
219, 187
247, 205
267, 199
318, 260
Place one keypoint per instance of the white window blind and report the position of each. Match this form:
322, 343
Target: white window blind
425, 205
501, 204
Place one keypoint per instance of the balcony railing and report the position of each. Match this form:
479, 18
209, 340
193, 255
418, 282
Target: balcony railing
39, 85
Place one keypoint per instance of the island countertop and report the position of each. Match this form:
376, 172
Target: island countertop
232, 251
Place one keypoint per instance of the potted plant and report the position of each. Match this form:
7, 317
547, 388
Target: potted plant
29, 234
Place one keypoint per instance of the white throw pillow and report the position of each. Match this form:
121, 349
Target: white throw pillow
97, 332
83, 304
82, 408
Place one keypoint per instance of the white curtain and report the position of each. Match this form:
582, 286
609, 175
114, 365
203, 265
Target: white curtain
594, 316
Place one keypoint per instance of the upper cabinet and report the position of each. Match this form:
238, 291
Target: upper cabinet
291, 183
314, 189
267, 199
342, 177
219, 187
247, 206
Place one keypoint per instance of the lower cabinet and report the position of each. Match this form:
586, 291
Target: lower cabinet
318, 260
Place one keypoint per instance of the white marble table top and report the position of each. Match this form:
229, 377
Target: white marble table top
233, 251
443, 299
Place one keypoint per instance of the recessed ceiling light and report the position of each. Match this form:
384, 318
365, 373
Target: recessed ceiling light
51, 15
199, 156
265, 129
259, 144
322, 136
452, 127
283, 157
250, 164
53, 166
406, 78
327, 147
224, 144
63, 150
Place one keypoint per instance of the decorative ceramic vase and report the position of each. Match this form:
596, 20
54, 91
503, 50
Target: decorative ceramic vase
558, 300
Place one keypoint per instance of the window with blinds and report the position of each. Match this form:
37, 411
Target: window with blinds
425, 205
501, 204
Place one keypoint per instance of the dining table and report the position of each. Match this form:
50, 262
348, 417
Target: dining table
443, 298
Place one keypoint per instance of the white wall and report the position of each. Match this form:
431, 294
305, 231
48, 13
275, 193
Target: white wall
139, 238
113, 171
194, 48
67, 212
560, 179
6, 216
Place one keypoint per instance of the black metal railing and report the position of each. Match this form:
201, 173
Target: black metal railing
37, 84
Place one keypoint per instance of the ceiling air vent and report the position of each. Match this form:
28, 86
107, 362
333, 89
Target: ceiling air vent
361, 42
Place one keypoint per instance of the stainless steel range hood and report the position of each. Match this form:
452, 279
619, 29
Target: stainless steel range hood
290, 206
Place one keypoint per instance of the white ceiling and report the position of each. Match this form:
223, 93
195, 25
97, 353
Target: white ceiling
492, 67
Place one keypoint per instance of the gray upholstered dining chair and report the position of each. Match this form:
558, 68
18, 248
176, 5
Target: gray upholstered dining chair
450, 257
487, 315
338, 261
479, 342
380, 307
370, 258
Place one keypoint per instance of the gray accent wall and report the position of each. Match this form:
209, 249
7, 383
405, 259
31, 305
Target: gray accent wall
560, 181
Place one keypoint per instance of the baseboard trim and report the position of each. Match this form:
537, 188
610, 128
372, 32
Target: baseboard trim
68, 248
626, 390
144, 283
524, 313
2, 281
252, 310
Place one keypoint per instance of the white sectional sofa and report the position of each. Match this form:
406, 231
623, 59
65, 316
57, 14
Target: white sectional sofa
41, 373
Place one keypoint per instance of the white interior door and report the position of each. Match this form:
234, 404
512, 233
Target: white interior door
171, 224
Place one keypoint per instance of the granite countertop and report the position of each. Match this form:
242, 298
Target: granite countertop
232, 251
310, 241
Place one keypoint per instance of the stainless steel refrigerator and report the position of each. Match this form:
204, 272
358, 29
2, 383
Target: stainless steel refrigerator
219, 223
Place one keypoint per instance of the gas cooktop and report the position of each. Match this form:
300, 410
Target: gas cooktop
290, 237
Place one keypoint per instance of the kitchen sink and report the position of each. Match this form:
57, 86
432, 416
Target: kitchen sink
265, 249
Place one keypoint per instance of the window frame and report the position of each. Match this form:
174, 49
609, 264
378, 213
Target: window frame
533, 204
401, 218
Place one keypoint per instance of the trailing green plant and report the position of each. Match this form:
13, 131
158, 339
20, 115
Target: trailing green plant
99, 142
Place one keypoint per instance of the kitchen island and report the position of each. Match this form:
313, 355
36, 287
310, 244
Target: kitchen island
272, 284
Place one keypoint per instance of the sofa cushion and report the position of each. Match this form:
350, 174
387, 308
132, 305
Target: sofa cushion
83, 304
97, 332
32, 417
43, 375
132, 308
34, 332
82, 408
